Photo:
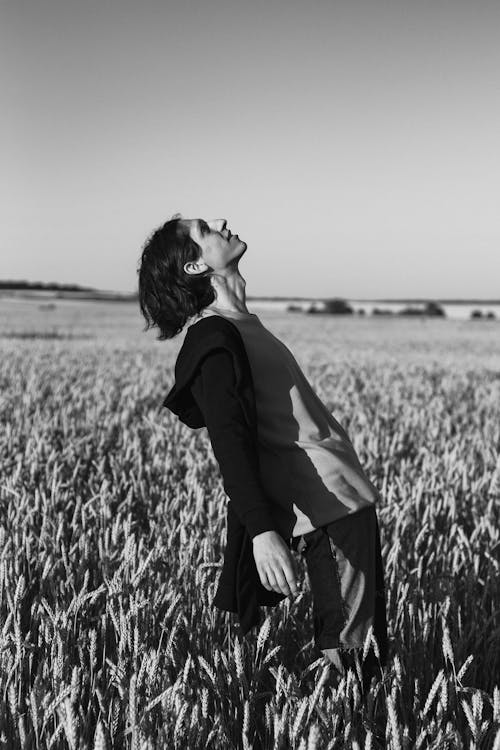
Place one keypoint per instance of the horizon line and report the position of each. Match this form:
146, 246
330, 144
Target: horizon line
71, 288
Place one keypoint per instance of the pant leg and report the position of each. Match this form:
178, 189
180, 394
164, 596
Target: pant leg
346, 576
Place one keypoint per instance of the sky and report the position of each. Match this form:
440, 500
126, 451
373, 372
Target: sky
354, 146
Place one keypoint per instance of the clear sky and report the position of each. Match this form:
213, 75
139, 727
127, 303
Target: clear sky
355, 146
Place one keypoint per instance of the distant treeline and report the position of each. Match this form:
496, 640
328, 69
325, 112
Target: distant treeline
339, 306
49, 286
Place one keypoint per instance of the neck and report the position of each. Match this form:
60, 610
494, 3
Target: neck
230, 291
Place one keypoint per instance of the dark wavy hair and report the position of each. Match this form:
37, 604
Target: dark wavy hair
168, 296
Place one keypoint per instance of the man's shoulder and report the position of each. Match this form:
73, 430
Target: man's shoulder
207, 334
209, 323
214, 330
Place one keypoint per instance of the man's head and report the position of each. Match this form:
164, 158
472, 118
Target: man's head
219, 249
176, 266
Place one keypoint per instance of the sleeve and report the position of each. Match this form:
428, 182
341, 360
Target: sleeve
214, 390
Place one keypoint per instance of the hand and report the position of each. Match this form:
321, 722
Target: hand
275, 564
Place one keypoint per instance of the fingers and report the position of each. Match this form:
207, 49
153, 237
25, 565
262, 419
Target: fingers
276, 565
292, 580
287, 583
281, 577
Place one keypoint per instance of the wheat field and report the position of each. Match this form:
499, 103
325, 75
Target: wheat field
112, 523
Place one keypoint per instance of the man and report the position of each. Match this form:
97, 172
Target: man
289, 468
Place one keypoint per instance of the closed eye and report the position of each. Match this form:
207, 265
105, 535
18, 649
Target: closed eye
204, 228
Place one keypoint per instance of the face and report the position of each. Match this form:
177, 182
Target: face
219, 247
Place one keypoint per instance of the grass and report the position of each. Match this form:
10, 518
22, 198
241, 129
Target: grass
112, 534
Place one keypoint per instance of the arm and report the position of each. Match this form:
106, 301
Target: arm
214, 390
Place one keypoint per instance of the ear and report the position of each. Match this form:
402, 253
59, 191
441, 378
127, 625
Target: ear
193, 268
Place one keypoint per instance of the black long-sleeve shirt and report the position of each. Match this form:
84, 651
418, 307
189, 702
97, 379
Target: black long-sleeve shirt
214, 389
239, 588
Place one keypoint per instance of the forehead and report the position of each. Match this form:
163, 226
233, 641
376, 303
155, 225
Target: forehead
193, 225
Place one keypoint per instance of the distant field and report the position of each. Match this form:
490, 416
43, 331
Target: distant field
112, 531
477, 341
